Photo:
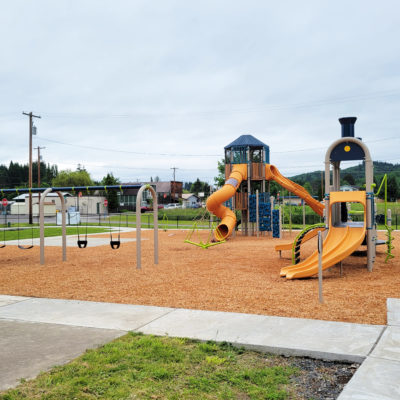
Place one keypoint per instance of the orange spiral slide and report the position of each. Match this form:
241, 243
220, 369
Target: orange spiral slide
214, 202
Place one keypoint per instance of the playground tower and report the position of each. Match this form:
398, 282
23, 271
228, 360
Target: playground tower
350, 148
245, 161
248, 150
247, 169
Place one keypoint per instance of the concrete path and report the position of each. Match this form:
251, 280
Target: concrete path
93, 241
32, 328
379, 375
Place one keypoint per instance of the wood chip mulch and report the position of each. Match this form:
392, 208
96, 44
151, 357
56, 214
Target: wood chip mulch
241, 275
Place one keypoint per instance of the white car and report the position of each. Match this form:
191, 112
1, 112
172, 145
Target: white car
171, 206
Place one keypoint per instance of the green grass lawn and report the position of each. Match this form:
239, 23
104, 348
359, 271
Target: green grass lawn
148, 367
28, 233
179, 218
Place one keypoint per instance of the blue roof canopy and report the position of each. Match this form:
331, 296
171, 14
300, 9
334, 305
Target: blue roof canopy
244, 141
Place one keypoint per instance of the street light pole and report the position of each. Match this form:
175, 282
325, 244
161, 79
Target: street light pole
31, 116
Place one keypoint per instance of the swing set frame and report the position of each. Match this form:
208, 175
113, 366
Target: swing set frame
59, 190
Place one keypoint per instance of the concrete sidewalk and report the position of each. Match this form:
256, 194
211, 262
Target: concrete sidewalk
36, 334
379, 375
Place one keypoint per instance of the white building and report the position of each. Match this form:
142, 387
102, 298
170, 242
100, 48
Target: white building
348, 188
190, 200
52, 204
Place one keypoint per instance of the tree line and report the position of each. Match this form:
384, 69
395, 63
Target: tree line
16, 175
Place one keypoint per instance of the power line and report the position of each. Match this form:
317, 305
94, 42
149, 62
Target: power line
95, 148
127, 151
258, 108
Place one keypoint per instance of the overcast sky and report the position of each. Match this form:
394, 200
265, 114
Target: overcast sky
138, 87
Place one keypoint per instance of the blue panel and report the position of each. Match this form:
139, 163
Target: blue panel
347, 151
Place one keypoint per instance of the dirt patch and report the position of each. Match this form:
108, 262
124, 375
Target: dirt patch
241, 275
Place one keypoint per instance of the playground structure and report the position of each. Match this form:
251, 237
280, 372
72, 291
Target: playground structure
344, 237
248, 169
182, 280
81, 243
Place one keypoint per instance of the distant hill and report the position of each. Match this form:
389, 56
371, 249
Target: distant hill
354, 176
380, 168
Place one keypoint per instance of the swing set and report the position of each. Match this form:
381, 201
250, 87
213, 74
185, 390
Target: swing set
82, 243
115, 243
20, 246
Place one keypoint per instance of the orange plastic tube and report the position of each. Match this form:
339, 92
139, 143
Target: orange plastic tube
271, 172
214, 202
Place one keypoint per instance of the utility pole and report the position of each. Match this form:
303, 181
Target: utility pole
31, 116
173, 186
174, 168
38, 167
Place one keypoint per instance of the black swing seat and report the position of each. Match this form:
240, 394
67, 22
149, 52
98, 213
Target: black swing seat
115, 244
24, 247
82, 244
2, 246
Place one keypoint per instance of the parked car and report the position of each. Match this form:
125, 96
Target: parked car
172, 206
150, 208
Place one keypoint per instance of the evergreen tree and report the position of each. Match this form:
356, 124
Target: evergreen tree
199, 186
111, 195
196, 187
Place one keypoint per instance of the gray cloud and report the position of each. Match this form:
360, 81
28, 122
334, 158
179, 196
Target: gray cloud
170, 83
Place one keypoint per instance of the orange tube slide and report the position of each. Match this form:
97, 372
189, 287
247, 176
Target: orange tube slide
214, 202
272, 173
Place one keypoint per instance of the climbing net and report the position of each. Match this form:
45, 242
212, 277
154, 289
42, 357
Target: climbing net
196, 238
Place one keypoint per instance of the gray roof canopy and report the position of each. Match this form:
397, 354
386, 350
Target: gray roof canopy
244, 141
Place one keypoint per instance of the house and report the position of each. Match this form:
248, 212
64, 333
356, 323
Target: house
348, 188
167, 192
190, 200
86, 204
290, 199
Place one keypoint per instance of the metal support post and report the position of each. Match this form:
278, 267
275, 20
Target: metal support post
370, 233
139, 225
320, 249
257, 215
